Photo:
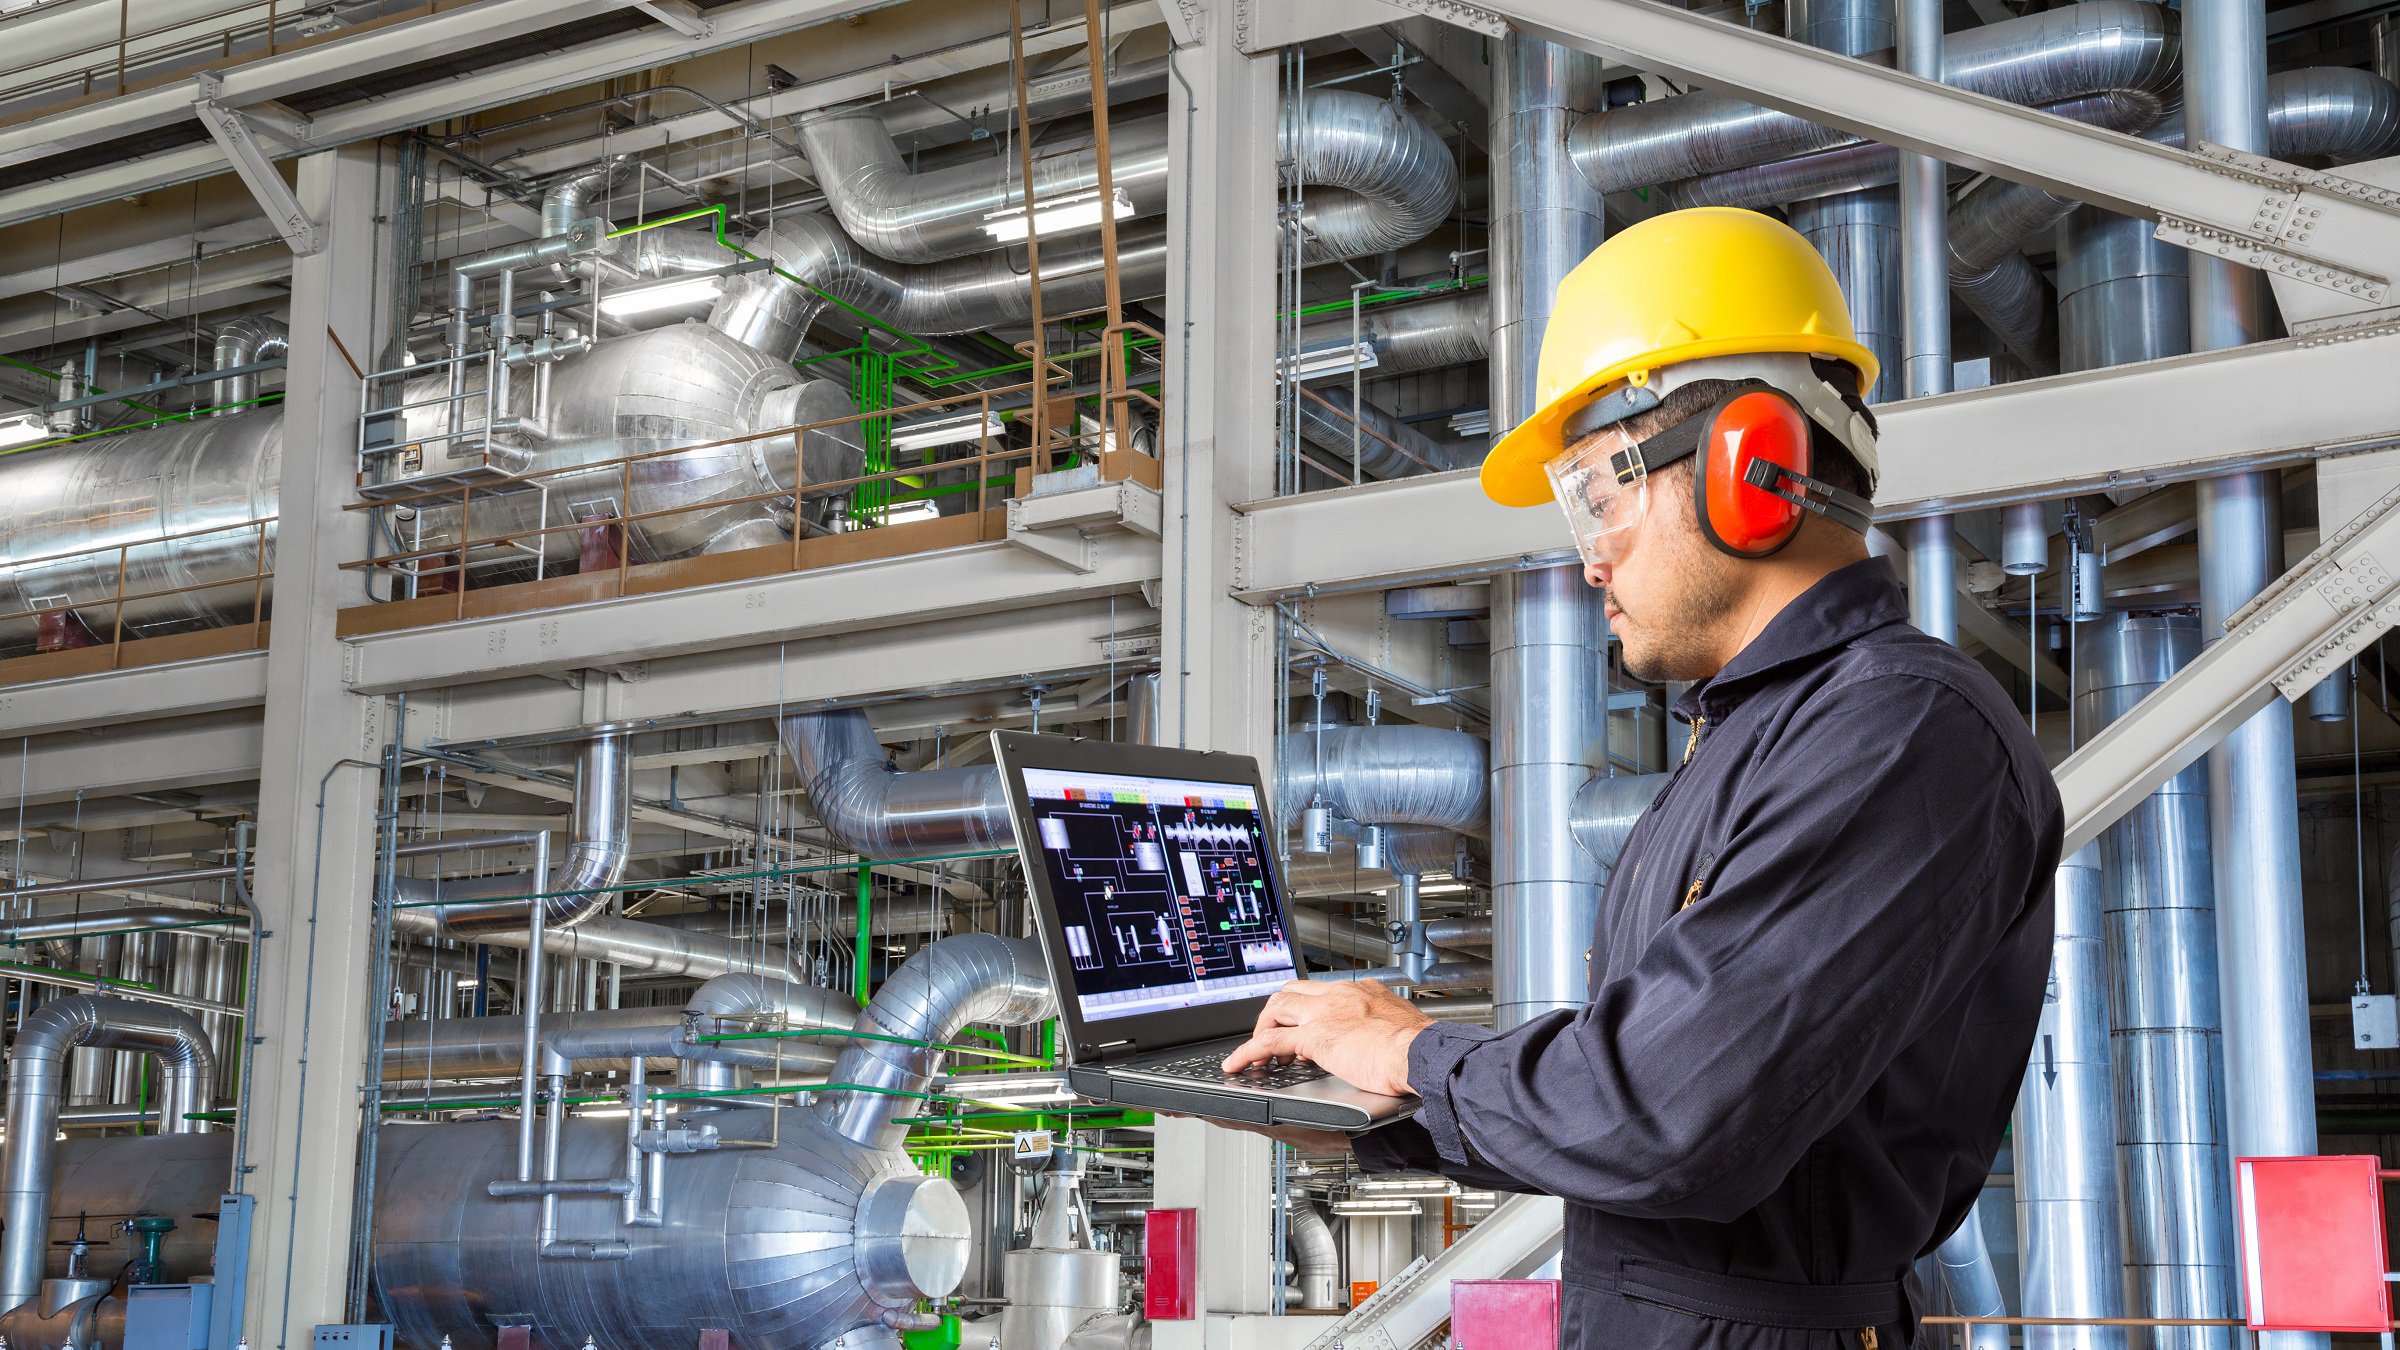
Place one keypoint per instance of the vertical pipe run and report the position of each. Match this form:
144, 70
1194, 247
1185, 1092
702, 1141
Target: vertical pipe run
529, 994
2065, 1133
1925, 295
1548, 638
2159, 911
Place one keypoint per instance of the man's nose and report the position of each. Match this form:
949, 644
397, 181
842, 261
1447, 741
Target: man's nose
1595, 575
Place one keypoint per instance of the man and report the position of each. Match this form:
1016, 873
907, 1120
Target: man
1822, 952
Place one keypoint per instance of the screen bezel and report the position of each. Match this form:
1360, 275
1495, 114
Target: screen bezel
1112, 1039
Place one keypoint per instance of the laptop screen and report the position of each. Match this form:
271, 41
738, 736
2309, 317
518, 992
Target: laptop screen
1165, 899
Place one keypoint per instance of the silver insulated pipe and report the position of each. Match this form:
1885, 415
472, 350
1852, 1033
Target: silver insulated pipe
875, 810
241, 342
577, 887
2065, 1133
1386, 180
1387, 775
37, 1065
2160, 912
972, 977
1548, 638
1606, 810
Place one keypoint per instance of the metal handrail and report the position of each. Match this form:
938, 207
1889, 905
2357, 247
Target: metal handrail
256, 579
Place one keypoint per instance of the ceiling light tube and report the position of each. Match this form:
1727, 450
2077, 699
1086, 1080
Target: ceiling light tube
1056, 216
23, 429
1339, 359
956, 429
664, 295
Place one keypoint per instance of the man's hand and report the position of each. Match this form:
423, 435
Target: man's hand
1356, 1030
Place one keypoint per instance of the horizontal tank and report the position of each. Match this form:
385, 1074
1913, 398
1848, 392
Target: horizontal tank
180, 498
762, 1242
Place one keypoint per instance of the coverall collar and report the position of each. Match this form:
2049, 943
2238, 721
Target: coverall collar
1841, 607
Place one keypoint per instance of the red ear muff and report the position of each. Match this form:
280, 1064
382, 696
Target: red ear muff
1752, 444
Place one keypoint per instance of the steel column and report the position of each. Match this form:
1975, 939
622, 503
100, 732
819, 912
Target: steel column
1548, 638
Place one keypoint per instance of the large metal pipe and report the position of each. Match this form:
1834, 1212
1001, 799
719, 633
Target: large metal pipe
574, 890
2161, 936
875, 810
241, 341
2065, 1133
1384, 446
2038, 59
1549, 641
1451, 329
1316, 1258
1388, 775
1606, 809
36, 1065
1384, 179
971, 977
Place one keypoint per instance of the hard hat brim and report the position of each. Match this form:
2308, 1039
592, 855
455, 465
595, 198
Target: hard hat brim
1514, 473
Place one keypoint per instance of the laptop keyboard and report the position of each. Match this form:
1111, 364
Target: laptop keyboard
1210, 1068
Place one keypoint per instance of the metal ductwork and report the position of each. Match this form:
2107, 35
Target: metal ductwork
1316, 1258
1606, 809
2331, 112
1444, 330
1388, 775
572, 199
972, 977
2065, 1133
2038, 59
240, 342
429, 1050
875, 810
1973, 1284
577, 887
642, 950
1390, 179
2167, 1024
37, 1064
1383, 445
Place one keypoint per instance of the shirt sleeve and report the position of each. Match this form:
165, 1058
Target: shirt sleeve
1406, 1145
1884, 850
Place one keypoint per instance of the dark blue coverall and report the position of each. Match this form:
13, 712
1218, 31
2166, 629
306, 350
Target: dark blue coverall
1820, 962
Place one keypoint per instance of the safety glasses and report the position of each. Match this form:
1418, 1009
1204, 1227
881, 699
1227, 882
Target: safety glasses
1605, 489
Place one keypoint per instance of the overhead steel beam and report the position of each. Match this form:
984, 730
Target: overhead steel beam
140, 693
681, 15
825, 605
2175, 420
2298, 631
233, 133
159, 756
2326, 230
381, 49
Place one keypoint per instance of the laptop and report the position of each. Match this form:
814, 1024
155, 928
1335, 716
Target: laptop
1166, 926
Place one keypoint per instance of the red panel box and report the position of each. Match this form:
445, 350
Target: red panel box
2312, 1243
1171, 1265
1504, 1315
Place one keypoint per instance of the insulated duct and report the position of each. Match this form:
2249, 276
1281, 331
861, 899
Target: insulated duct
1606, 810
572, 199
971, 977
426, 1050
1316, 1259
1974, 1285
1384, 446
37, 1063
1548, 635
875, 810
1451, 329
241, 342
576, 888
2038, 59
2160, 913
2331, 112
2065, 1133
1388, 775
642, 950
1386, 180
1857, 233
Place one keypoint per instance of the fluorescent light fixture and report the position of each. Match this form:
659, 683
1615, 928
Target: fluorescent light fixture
1052, 1097
1012, 1089
602, 1112
1476, 423
664, 295
1338, 359
1384, 1186
1385, 1208
1445, 888
955, 429
23, 429
1081, 211
468, 981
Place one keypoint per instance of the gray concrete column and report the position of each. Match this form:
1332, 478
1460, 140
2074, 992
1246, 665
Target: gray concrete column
317, 784
1217, 657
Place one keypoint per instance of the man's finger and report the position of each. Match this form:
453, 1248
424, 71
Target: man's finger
1269, 1043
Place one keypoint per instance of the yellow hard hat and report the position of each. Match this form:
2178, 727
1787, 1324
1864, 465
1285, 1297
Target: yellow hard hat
1708, 281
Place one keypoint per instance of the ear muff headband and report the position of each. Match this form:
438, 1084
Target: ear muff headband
1750, 481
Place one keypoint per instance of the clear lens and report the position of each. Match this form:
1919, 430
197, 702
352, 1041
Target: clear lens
1605, 492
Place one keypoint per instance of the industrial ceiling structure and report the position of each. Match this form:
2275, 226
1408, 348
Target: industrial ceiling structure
520, 515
